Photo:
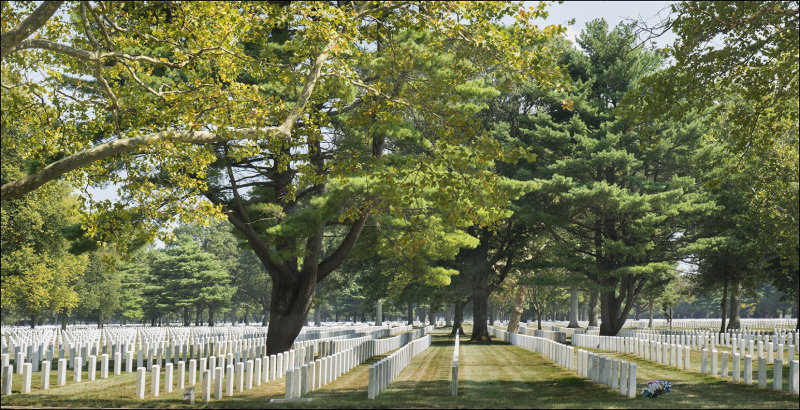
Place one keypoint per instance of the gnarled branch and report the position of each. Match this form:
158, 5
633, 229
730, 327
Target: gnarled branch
40, 16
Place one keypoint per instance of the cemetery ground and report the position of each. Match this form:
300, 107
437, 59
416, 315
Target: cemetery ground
499, 375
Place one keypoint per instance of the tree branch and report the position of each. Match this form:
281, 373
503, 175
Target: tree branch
260, 248
25, 185
337, 257
40, 16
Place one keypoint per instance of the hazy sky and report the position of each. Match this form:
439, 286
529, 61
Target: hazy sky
613, 12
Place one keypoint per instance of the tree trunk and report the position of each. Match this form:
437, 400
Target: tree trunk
291, 302
410, 313
593, 297
480, 310
63, 321
265, 313
724, 306
458, 317
636, 310
516, 311
379, 312
538, 319
100, 319
432, 317
247, 315
186, 318
448, 316
317, 317
650, 311
734, 313
573, 312
210, 316
613, 313
670, 318
555, 308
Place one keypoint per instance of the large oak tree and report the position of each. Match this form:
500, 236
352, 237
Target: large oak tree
293, 120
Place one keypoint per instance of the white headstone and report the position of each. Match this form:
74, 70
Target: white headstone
777, 374
155, 379
623, 378
181, 375
104, 366
192, 372
249, 375
632, 380
27, 370
206, 385
91, 369
78, 368
219, 379
229, 380
168, 378
239, 377
45, 376
140, 381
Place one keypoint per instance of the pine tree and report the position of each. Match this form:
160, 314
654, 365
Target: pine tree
618, 201
188, 276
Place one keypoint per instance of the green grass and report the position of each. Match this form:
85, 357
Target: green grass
490, 376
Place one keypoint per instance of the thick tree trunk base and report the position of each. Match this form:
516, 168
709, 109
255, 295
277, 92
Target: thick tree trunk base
458, 313
480, 310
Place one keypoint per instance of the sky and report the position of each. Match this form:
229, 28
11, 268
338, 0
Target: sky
613, 12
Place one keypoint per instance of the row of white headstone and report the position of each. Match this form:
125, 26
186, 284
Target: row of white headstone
235, 357
619, 375
454, 369
745, 323
169, 344
316, 374
562, 354
670, 354
736, 374
663, 352
225, 375
698, 339
555, 336
61, 375
614, 373
387, 369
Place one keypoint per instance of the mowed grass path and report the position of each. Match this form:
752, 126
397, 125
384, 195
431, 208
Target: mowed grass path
498, 375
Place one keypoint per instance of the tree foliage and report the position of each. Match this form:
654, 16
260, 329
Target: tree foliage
622, 203
38, 271
741, 57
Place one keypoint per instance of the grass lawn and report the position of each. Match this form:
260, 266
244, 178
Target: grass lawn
490, 376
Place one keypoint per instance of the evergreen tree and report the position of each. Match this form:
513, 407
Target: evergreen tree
189, 276
133, 273
99, 289
622, 201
